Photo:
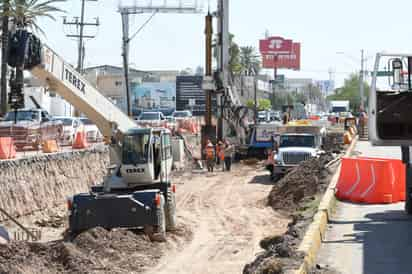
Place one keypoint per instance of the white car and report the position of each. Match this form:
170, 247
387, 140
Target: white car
70, 127
153, 119
93, 133
181, 114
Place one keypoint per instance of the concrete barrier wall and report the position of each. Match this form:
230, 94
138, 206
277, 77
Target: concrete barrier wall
40, 182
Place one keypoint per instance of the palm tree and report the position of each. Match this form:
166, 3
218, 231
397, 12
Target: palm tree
5, 8
249, 61
22, 14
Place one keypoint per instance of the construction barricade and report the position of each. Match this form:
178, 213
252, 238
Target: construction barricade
7, 149
80, 141
371, 180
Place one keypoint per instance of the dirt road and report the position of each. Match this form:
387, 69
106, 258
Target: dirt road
221, 219
228, 216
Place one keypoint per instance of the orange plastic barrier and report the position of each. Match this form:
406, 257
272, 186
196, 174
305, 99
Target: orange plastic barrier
80, 142
371, 180
314, 117
7, 149
397, 175
50, 146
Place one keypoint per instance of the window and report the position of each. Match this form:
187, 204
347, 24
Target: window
135, 149
167, 147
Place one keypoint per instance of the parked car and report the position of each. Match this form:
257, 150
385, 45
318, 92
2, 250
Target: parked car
30, 127
70, 127
181, 114
153, 119
93, 133
151, 116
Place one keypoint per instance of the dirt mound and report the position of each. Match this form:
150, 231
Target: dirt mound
94, 251
280, 252
301, 185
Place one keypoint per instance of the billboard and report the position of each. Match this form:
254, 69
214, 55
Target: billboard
154, 95
283, 61
275, 46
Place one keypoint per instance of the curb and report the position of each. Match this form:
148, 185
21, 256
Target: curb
312, 240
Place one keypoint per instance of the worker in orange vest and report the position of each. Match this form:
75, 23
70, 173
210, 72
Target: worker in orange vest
220, 154
210, 156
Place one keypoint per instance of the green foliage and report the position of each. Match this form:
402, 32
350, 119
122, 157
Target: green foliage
242, 59
262, 104
249, 61
350, 91
250, 103
25, 13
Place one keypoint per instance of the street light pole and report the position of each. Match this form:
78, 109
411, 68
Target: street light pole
361, 87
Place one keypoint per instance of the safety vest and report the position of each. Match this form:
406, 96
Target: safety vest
210, 152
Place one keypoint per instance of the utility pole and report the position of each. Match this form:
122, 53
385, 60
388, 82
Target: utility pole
142, 8
361, 87
223, 57
80, 33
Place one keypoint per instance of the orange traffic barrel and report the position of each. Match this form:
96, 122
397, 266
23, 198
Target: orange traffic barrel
7, 149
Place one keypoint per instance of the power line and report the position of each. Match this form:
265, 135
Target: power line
80, 24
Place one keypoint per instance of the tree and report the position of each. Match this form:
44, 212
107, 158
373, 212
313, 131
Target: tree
350, 91
4, 44
22, 14
249, 61
262, 104
234, 54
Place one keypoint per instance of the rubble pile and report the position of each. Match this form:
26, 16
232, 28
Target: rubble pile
301, 185
94, 251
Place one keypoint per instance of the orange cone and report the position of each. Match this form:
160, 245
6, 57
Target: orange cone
80, 141
7, 150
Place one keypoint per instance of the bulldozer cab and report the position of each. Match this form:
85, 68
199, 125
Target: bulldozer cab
390, 100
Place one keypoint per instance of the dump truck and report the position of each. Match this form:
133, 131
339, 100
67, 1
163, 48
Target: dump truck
295, 144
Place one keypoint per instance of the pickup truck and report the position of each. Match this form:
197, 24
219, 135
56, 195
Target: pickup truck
30, 127
295, 145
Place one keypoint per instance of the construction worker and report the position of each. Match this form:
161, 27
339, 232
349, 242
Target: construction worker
229, 152
286, 117
210, 156
220, 154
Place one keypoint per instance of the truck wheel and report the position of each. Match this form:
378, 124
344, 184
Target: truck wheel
170, 210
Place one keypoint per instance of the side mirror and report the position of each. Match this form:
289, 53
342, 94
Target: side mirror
397, 71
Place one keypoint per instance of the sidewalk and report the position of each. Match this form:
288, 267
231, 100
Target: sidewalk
369, 239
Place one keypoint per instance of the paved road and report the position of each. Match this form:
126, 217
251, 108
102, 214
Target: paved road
369, 239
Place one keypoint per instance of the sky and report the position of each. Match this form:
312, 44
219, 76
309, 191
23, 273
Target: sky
176, 41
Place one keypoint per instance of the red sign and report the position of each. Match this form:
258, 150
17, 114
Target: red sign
275, 45
283, 61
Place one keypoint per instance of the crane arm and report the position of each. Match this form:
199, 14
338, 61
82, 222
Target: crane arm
63, 79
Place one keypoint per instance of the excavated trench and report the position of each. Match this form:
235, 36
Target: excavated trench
39, 204
296, 195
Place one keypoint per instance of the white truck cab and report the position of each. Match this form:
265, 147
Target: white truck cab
295, 145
